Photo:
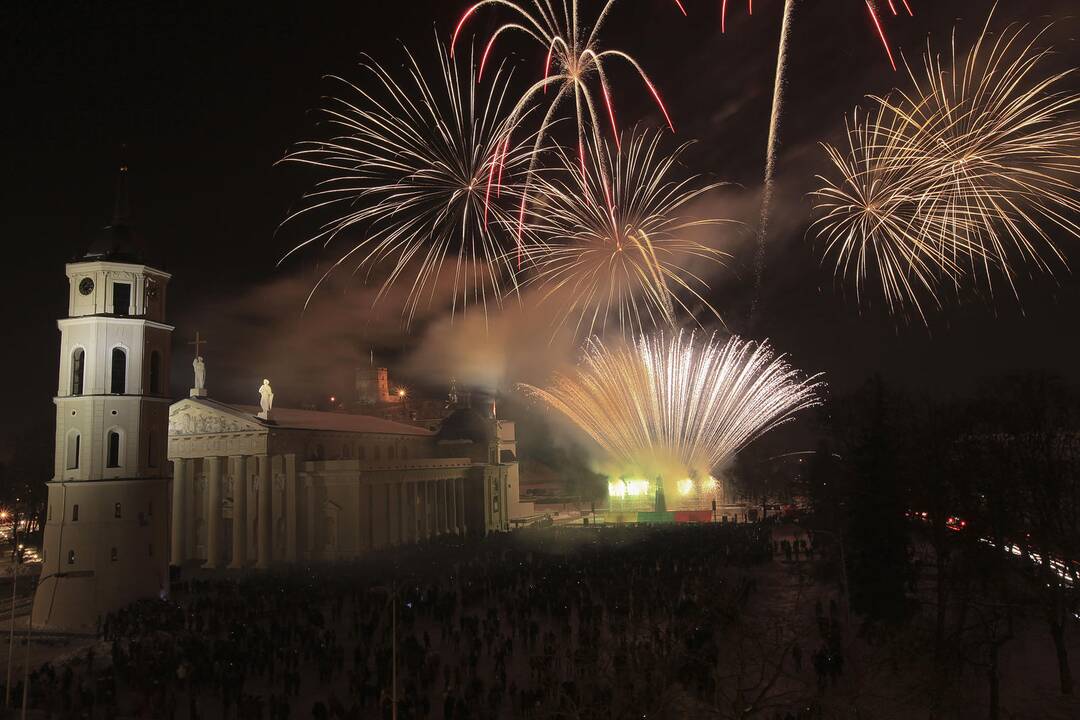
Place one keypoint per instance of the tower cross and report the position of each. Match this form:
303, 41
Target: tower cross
198, 343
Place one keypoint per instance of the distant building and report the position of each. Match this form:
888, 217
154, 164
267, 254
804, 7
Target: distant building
373, 387
377, 396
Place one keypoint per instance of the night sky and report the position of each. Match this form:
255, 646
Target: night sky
208, 96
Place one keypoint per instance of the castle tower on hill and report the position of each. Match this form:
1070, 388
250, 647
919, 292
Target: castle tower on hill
106, 531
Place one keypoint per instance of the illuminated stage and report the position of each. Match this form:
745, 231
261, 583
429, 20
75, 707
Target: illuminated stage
637, 500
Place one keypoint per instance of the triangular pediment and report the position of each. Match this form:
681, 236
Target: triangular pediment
198, 416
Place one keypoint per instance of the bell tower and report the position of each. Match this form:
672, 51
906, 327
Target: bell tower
106, 529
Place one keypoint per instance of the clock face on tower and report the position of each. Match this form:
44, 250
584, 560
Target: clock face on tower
86, 286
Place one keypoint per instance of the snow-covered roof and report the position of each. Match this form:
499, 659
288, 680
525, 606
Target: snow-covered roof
289, 418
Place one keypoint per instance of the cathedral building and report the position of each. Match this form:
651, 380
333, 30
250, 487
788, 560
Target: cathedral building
307, 486
142, 483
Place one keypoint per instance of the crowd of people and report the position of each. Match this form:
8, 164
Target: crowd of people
532, 624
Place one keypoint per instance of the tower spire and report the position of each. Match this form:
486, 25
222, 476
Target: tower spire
118, 239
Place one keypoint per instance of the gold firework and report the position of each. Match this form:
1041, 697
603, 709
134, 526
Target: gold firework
678, 404
573, 59
962, 179
418, 181
876, 219
574, 68
618, 251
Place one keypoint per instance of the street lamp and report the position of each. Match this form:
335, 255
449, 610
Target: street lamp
391, 594
4, 515
26, 657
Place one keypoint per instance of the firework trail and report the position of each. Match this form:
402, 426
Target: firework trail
573, 65
960, 179
770, 153
773, 143
408, 183
679, 404
620, 252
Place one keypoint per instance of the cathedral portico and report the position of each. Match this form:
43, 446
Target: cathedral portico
305, 486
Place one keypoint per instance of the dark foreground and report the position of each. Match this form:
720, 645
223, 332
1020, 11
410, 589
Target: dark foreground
709, 621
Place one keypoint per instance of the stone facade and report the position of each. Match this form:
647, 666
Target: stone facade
308, 486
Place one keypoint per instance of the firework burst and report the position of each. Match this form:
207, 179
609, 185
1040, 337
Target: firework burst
573, 59
779, 84
618, 252
420, 182
574, 68
959, 180
875, 219
680, 404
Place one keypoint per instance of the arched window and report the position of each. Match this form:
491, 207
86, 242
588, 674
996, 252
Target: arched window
375, 453
114, 555
73, 442
71, 557
113, 459
75, 512
155, 372
360, 452
77, 361
404, 452
118, 510
118, 385
390, 452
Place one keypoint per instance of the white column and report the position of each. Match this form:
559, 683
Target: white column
437, 486
444, 503
414, 514
213, 512
403, 502
460, 490
239, 513
264, 537
191, 508
393, 515
309, 488
436, 526
429, 512
177, 554
290, 508
452, 505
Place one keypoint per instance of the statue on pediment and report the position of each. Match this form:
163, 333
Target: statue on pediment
199, 366
266, 399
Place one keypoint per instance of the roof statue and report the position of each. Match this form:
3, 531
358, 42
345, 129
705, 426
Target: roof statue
198, 365
200, 374
266, 399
